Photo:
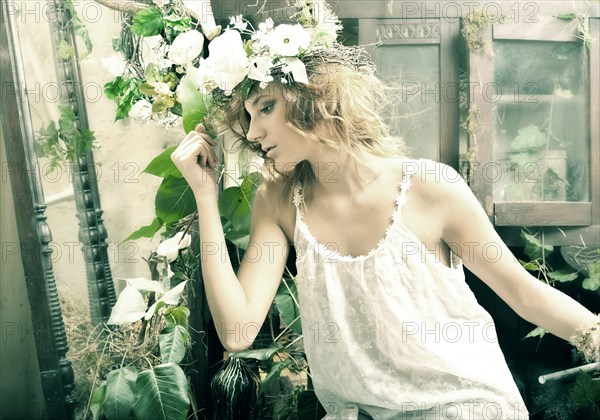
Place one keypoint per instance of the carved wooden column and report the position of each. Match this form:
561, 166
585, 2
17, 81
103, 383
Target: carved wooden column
34, 233
92, 233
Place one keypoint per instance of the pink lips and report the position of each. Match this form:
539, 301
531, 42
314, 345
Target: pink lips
268, 150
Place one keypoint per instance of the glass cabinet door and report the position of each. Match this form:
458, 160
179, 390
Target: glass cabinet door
536, 148
416, 60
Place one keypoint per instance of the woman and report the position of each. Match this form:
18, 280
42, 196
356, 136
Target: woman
391, 330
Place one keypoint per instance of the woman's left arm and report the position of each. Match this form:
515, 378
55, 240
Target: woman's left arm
470, 234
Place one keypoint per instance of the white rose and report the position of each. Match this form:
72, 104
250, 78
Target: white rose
169, 248
288, 40
186, 47
141, 110
227, 62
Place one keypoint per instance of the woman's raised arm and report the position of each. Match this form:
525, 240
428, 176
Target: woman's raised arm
238, 306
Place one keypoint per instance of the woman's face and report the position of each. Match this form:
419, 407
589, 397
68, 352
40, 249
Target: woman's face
269, 127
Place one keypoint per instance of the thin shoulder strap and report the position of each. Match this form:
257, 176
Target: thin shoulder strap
297, 197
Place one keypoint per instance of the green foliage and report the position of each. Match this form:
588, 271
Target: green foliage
174, 200
174, 25
146, 231
148, 22
162, 393
78, 26
195, 105
530, 139
120, 393
286, 300
173, 343
592, 280
534, 249
124, 92
586, 391
65, 142
235, 204
162, 165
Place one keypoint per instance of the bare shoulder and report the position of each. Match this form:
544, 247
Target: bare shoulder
271, 202
435, 183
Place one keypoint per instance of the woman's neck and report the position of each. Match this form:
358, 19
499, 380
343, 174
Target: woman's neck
339, 173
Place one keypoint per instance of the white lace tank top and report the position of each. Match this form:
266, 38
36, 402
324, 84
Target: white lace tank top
395, 333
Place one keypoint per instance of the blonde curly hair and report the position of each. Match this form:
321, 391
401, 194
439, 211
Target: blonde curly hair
343, 98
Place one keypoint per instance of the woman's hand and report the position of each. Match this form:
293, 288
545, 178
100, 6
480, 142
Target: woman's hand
196, 160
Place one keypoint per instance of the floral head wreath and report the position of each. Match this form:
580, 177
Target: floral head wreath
272, 51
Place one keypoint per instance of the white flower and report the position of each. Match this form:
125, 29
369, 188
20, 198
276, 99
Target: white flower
169, 248
266, 25
162, 89
260, 68
186, 47
141, 110
114, 65
227, 62
238, 23
289, 40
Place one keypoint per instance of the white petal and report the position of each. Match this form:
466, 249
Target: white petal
150, 311
298, 69
130, 307
168, 248
172, 296
141, 283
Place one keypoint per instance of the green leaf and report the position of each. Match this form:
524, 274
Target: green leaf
563, 275
194, 104
567, 16
162, 165
173, 341
178, 315
309, 407
99, 394
591, 283
263, 355
148, 22
529, 266
162, 393
146, 231
288, 310
274, 373
65, 50
593, 269
536, 332
174, 200
235, 203
529, 138
120, 395
534, 248
585, 391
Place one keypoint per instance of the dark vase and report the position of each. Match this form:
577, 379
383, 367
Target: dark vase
234, 391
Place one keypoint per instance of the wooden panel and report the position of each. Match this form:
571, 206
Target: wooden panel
449, 112
543, 214
482, 115
547, 28
595, 120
